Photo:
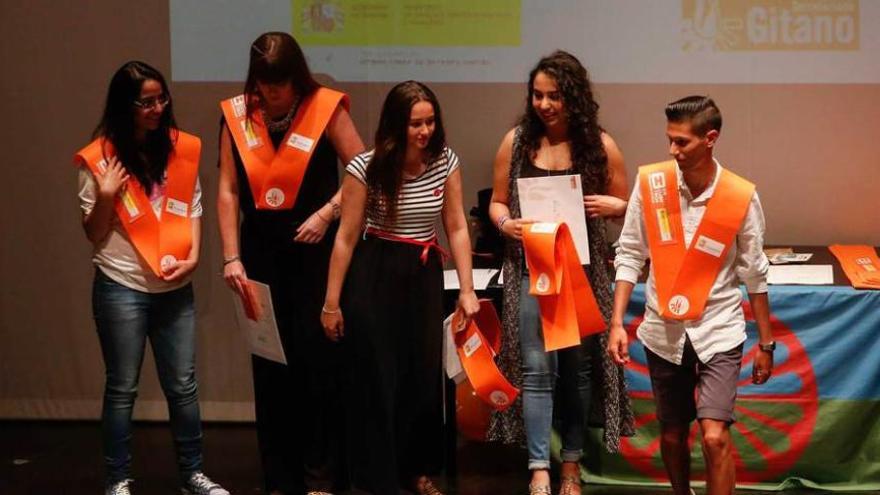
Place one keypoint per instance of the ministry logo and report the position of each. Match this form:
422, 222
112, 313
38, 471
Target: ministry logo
770, 25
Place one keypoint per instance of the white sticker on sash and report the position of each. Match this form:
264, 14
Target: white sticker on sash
167, 262
709, 246
499, 398
679, 305
300, 142
176, 207
543, 227
543, 283
472, 344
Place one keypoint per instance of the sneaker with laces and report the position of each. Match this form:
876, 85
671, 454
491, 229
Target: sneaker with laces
199, 484
118, 488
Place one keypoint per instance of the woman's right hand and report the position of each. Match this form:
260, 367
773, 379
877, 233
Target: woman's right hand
235, 276
111, 180
513, 227
333, 324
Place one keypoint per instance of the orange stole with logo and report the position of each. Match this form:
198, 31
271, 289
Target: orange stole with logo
685, 276
159, 242
569, 310
275, 176
476, 346
860, 263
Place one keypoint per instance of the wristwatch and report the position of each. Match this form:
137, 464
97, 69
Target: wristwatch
770, 347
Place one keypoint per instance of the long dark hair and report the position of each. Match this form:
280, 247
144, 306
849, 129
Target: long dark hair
276, 57
385, 171
582, 113
145, 161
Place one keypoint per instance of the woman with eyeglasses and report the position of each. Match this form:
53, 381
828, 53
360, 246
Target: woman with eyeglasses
280, 144
387, 257
141, 202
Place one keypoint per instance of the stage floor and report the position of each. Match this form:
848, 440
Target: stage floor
65, 457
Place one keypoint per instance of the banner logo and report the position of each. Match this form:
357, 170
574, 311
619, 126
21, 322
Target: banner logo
770, 25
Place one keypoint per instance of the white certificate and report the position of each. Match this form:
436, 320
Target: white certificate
256, 320
557, 198
800, 275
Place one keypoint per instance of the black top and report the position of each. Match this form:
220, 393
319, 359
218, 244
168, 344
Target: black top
320, 183
529, 169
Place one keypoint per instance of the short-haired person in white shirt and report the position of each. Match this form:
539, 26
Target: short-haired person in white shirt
690, 351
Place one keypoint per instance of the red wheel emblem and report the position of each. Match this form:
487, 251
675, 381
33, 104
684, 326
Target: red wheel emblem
772, 429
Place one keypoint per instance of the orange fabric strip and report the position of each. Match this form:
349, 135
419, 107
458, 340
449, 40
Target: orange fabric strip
860, 263
477, 346
569, 310
159, 242
275, 176
684, 277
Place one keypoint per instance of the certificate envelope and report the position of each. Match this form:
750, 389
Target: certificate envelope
557, 198
256, 320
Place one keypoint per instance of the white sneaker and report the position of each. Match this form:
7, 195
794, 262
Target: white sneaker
199, 484
118, 488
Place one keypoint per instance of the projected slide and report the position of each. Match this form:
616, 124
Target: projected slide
625, 41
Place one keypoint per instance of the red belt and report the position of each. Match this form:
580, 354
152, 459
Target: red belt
426, 245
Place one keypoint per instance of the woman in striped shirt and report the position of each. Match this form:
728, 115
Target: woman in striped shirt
393, 297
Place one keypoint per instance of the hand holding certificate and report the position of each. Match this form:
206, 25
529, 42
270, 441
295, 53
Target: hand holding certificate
256, 319
557, 199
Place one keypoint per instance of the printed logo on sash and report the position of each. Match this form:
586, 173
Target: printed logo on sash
499, 398
274, 197
167, 262
471, 345
709, 246
658, 180
665, 226
253, 141
125, 196
543, 283
239, 107
679, 305
300, 142
866, 264
176, 207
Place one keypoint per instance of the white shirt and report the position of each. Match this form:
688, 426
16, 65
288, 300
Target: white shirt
116, 255
722, 325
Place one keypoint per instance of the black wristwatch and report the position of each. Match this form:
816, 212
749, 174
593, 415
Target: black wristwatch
768, 347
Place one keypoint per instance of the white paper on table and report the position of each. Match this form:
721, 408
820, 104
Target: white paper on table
451, 361
262, 335
482, 277
800, 275
557, 198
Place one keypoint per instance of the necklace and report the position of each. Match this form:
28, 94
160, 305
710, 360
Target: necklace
284, 123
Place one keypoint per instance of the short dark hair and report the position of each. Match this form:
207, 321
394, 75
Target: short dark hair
700, 111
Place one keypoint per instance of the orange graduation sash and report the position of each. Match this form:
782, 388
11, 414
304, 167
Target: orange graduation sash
860, 263
477, 346
684, 276
276, 176
569, 310
158, 242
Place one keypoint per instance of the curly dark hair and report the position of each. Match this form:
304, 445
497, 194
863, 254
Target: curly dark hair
581, 110
385, 171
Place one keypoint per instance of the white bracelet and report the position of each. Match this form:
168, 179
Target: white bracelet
327, 311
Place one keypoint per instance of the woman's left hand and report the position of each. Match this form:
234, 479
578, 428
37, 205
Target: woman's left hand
599, 205
467, 307
178, 270
312, 230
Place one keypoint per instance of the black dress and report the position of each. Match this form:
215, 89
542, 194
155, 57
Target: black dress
299, 419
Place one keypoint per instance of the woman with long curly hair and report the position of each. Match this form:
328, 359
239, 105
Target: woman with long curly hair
393, 296
558, 134
141, 203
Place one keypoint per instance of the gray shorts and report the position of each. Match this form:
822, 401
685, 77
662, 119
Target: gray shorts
695, 389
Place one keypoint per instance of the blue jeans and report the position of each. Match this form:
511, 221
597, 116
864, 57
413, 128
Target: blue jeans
125, 318
569, 368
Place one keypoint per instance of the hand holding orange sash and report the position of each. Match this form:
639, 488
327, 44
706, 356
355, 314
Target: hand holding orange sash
477, 345
569, 310
860, 263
